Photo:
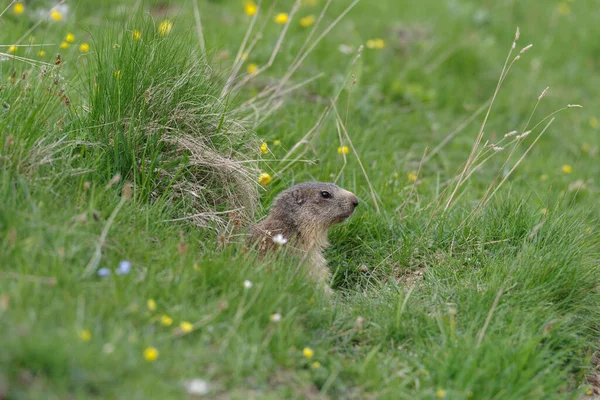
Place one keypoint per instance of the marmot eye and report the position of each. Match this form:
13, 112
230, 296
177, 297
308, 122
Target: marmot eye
325, 194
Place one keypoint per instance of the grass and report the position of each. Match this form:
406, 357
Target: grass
493, 299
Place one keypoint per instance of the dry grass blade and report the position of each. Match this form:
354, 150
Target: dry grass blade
32, 62
295, 66
316, 127
489, 316
7, 7
414, 185
469, 161
485, 201
341, 123
92, 265
199, 26
275, 50
236, 63
38, 23
270, 96
456, 131
339, 131
208, 168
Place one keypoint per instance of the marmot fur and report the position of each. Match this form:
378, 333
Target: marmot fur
302, 214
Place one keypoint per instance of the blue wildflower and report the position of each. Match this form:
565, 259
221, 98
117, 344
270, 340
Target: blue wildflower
124, 268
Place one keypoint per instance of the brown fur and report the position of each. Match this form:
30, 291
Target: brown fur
303, 215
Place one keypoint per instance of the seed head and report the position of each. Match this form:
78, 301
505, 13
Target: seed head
541, 96
523, 135
524, 49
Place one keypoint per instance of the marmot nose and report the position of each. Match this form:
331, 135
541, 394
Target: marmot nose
354, 201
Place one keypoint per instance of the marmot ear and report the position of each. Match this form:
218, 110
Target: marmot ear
298, 196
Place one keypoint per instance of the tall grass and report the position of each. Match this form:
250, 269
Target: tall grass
156, 112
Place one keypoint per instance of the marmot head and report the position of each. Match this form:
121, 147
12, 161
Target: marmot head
316, 204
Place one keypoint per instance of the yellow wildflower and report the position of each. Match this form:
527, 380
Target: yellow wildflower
567, 169
594, 123
544, 178
544, 211
165, 320
307, 21
12, 49
164, 28
41, 53
117, 74
85, 335
84, 47
440, 394
151, 354
412, 176
277, 142
250, 8
281, 18
376, 44
563, 8
264, 178
316, 365
343, 150
196, 267
70, 38
136, 34
18, 8
308, 352
252, 68
151, 304
64, 45
55, 15
264, 148
186, 326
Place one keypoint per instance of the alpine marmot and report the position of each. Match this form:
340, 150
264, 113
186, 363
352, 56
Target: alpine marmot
302, 215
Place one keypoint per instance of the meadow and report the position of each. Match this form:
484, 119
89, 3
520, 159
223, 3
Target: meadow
139, 140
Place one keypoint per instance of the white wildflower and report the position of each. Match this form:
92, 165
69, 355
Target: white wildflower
197, 387
345, 49
247, 284
275, 317
279, 239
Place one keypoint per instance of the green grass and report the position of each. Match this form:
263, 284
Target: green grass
497, 303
